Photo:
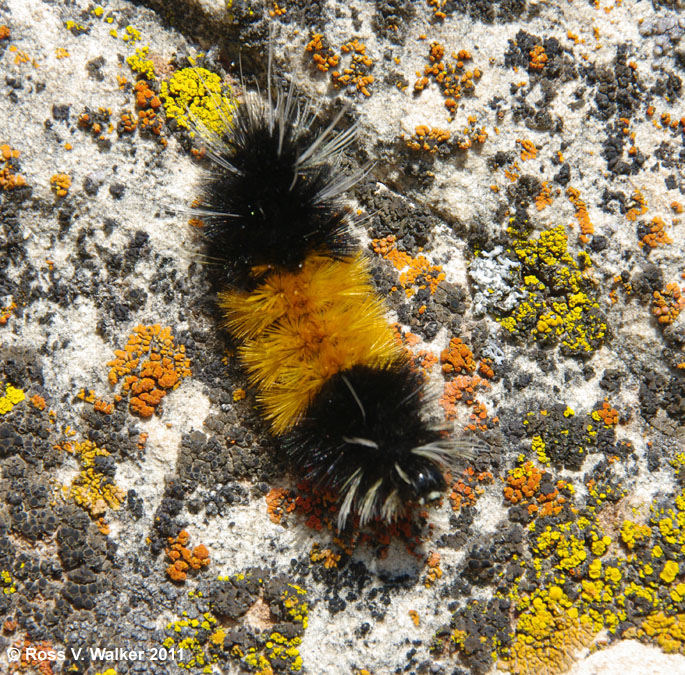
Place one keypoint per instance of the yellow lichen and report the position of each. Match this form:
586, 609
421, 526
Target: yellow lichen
6, 583
201, 95
141, 64
12, 396
548, 634
633, 534
560, 308
91, 489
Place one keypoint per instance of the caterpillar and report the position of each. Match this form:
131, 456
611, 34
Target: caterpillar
339, 395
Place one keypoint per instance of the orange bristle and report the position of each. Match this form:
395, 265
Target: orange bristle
299, 329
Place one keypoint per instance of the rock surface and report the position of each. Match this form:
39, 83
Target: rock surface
524, 222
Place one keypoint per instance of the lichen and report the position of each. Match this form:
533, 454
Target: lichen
356, 71
575, 577
92, 489
454, 78
183, 558
205, 639
416, 273
141, 64
13, 395
60, 182
150, 365
557, 303
9, 176
198, 95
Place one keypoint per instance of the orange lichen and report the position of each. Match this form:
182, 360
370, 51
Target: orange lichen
457, 358
586, 226
639, 206
279, 502
676, 207
34, 656
423, 359
61, 183
329, 558
513, 173
606, 414
145, 97
479, 417
523, 483
462, 495
413, 271
4, 32
37, 402
147, 380
466, 489
427, 139
127, 123
434, 571
437, 6
356, 74
460, 388
8, 178
98, 123
99, 404
656, 236
523, 487
668, 303
544, 197
667, 122
383, 246
20, 56
322, 55
414, 615
151, 122
528, 149
538, 58
148, 104
452, 77
6, 312
426, 360
277, 10
485, 369
431, 140
182, 558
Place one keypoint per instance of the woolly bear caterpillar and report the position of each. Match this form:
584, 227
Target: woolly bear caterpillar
339, 394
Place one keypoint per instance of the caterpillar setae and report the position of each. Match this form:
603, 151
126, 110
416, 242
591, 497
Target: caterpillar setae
338, 393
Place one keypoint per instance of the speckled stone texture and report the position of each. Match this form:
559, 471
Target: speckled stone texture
523, 219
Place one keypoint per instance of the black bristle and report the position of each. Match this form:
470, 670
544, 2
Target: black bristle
271, 207
369, 420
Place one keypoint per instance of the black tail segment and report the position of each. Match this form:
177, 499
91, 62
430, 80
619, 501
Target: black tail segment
365, 437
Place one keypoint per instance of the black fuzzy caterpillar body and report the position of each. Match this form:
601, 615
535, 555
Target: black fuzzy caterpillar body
339, 394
